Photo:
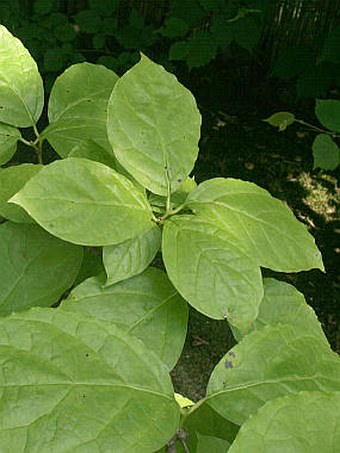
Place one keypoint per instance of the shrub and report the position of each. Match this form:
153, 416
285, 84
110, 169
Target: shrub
88, 370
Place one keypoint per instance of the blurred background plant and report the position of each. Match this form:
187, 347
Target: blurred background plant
296, 40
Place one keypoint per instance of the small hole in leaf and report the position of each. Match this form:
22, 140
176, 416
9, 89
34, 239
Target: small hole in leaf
231, 353
83, 395
87, 354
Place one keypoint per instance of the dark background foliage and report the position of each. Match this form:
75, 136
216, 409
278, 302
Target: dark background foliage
243, 60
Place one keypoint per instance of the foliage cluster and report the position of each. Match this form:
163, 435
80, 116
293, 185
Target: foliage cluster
188, 30
315, 67
326, 152
87, 342
111, 32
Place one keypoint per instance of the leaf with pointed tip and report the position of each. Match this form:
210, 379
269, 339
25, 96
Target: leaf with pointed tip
131, 257
147, 305
21, 86
328, 113
305, 422
85, 202
274, 361
12, 179
36, 268
77, 107
259, 224
212, 274
9, 137
281, 120
73, 383
207, 429
284, 304
326, 152
153, 126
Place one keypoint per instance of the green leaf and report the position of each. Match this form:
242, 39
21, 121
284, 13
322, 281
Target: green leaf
183, 401
326, 152
210, 272
208, 430
12, 179
305, 422
202, 48
85, 202
283, 303
88, 21
9, 137
147, 306
74, 383
91, 150
328, 113
54, 59
91, 265
158, 202
104, 7
42, 7
98, 41
153, 126
281, 120
77, 107
292, 62
174, 27
36, 268
260, 225
179, 50
246, 32
131, 257
274, 361
21, 87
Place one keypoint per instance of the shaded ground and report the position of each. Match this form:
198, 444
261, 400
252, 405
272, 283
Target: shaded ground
236, 143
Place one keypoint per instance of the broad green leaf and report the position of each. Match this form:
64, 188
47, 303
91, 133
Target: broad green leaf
85, 202
210, 272
274, 361
328, 113
147, 306
131, 257
281, 120
71, 383
207, 430
257, 223
12, 179
284, 304
9, 137
21, 86
93, 151
178, 50
36, 268
91, 264
77, 107
153, 126
307, 422
202, 48
174, 27
326, 152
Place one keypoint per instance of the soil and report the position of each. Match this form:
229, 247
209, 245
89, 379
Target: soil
237, 143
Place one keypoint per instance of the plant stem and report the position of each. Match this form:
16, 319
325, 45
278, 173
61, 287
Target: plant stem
36, 144
315, 128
